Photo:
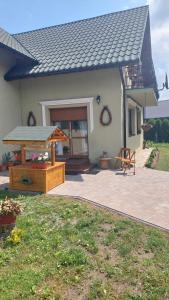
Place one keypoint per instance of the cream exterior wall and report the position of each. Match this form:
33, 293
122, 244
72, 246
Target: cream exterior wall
10, 107
106, 83
136, 141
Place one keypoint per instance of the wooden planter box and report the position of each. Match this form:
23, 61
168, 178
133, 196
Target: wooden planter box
36, 180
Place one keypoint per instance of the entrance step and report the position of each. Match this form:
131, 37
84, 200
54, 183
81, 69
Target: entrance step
77, 165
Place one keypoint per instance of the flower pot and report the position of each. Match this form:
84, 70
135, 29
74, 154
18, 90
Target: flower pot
105, 163
10, 164
7, 219
39, 165
3, 167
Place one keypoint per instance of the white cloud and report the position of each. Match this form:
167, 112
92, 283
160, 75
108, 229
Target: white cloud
159, 18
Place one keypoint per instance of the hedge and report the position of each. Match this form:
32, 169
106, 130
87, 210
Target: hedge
160, 131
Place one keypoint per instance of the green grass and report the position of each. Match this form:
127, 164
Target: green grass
163, 163
72, 250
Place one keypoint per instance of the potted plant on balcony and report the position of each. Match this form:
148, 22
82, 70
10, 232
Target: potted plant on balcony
9, 210
40, 161
146, 127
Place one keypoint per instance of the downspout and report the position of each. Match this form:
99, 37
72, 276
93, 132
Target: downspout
124, 109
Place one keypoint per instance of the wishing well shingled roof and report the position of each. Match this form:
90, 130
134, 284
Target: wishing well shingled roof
30, 133
106, 40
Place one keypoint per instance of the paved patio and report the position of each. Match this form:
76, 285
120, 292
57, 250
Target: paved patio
144, 196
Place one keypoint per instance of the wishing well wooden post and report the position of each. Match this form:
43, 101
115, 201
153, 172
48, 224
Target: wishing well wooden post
53, 153
23, 154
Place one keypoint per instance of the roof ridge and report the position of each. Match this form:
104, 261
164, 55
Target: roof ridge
145, 25
77, 21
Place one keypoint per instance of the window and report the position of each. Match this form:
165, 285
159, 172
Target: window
131, 121
138, 120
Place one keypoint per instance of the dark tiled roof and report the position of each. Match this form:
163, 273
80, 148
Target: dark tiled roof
8, 41
111, 39
159, 111
32, 133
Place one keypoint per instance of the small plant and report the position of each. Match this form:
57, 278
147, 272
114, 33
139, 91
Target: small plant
15, 236
35, 157
17, 155
104, 154
71, 257
97, 290
6, 157
39, 160
10, 207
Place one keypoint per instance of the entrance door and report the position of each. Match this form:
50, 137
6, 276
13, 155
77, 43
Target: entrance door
73, 121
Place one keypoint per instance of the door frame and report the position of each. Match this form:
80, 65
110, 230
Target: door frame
49, 104
71, 155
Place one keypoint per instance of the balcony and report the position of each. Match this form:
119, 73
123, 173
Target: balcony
138, 85
133, 77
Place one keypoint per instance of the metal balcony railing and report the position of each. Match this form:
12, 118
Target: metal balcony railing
133, 77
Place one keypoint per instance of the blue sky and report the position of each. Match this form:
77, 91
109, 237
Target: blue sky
21, 15
24, 15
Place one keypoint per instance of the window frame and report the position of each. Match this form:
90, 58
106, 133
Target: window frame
131, 121
138, 113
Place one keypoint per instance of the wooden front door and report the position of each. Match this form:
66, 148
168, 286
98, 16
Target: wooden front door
73, 121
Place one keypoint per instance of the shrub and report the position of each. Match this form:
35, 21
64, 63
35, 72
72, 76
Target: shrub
159, 132
152, 158
10, 207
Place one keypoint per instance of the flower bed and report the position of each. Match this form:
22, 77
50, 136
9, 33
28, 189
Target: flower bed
153, 158
40, 161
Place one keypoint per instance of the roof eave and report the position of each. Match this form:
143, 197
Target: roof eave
143, 96
81, 69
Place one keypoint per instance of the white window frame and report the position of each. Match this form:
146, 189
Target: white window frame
88, 102
133, 106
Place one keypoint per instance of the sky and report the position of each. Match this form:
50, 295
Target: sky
24, 15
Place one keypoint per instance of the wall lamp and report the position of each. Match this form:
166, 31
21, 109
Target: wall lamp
98, 99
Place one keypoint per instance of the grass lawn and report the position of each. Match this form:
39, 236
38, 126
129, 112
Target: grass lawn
163, 163
72, 250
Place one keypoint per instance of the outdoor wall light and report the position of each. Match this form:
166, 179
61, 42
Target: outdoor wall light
98, 99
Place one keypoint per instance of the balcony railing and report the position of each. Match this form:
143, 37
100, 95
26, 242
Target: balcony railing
133, 77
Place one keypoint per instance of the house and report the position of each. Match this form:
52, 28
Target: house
161, 111
92, 78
